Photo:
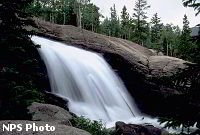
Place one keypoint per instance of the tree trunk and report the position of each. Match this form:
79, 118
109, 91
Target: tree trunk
64, 13
79, 15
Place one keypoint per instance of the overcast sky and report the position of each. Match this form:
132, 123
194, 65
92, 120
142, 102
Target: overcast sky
170, 11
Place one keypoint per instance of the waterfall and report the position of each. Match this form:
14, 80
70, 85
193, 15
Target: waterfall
89, 84
87, 81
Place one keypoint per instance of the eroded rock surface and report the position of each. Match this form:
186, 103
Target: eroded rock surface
132, 129
140, 57
165, 65
49, 113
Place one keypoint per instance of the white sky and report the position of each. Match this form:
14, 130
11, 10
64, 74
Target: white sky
170, 11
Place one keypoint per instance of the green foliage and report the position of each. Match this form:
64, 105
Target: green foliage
169, 39
195, 55
56, 11
111, 26
192, 3
139, 17
20, 81
105, 27
66, 12
166, 38
93, 127
90, 17
19, 62
185, 112
125, 24
125, 17
114, 23
186, 45
170, 35
156, 32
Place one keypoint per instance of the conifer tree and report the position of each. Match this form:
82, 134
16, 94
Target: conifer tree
125, 17
105, 27
19, 61
141, 26
13, 21
185, 40
125, 23
192, 3
115, 25
156, 31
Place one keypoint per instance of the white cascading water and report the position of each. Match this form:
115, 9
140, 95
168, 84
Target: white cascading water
89, 84
87, 81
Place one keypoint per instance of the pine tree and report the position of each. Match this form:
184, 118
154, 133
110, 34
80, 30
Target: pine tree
125, 23
192, 3
13, 21
19, 61
115, 25
186, 28
140, 17
185, 40
105, 27
156, 31
124, 17
113, 13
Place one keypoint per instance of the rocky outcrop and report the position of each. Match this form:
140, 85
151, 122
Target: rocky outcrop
59, 128
132, 129
138, 56
49, 113
165, 66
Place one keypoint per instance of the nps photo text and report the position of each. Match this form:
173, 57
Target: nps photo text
27, 127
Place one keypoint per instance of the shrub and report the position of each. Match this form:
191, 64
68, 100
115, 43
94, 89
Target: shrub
93, 127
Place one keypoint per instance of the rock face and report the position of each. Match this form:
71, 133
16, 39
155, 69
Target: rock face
49, 113
132, 129
137, 55
165, 66
59, 129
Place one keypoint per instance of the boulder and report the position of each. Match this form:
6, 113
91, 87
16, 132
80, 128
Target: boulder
132, 129
59, 129
49, 113
156, 53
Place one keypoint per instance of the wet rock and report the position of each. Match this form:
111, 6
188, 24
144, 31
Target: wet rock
132, 129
